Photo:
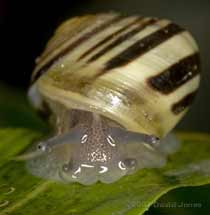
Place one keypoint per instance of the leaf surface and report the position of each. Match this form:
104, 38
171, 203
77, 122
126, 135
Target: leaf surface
22, 193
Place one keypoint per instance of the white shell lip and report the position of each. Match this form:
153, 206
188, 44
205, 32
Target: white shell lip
35, 97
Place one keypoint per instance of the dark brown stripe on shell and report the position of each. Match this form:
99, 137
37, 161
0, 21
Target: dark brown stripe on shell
142, 46
183, 103
177, 75
122, 39
109, 37
74, 45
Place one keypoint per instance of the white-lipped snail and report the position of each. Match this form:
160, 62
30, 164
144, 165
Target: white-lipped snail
116, 86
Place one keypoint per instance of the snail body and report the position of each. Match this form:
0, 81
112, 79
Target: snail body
115, 85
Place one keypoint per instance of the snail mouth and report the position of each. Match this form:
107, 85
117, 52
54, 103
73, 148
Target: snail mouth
88, 174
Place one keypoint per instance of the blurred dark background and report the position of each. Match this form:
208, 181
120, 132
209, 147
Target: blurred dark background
27, 25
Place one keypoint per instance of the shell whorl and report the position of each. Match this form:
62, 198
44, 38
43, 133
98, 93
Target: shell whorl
139, 71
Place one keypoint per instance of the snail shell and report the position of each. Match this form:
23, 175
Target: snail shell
115, 85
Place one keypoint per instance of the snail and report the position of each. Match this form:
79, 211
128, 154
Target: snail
115, 86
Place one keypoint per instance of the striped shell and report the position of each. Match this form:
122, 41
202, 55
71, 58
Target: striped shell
141, 72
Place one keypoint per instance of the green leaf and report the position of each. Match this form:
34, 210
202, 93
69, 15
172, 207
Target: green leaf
22, 193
